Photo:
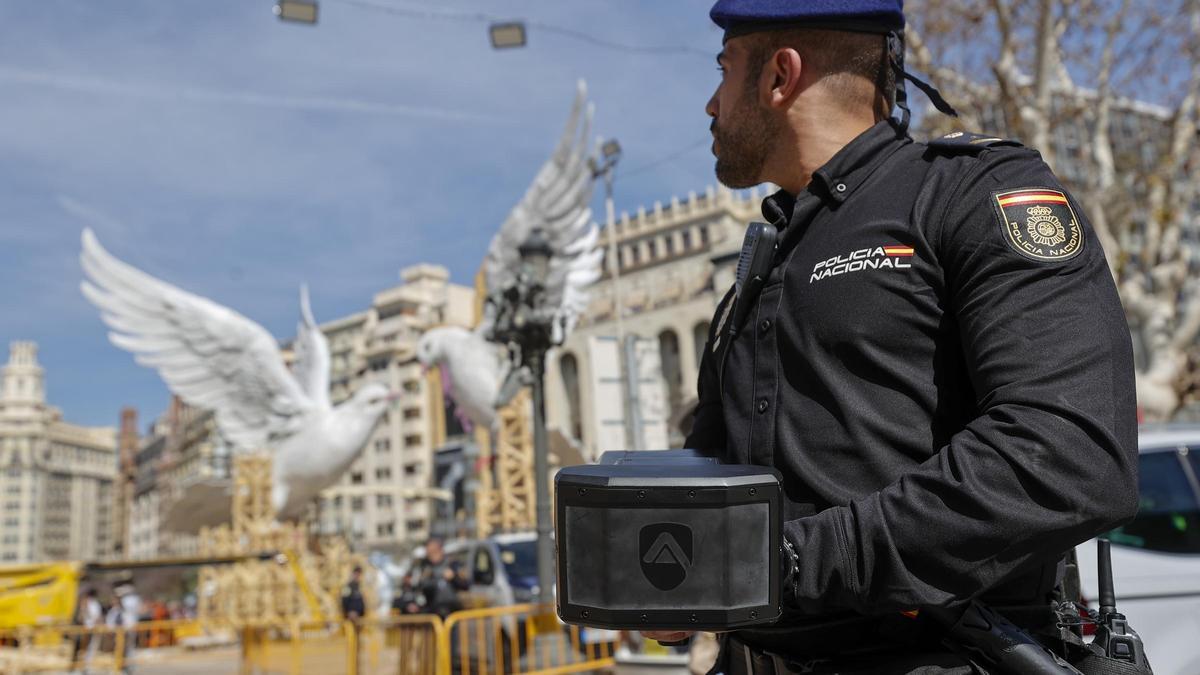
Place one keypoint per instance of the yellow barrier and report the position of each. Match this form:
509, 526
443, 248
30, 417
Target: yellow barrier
518, 639
401, 645
37, 649
522, 639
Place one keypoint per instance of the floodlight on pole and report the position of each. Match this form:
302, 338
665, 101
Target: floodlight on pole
610, 150
507, 35
299, 11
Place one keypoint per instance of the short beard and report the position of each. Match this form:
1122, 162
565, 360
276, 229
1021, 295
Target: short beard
745, 140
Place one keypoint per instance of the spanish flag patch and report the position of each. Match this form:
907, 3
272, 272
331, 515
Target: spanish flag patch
1040, 223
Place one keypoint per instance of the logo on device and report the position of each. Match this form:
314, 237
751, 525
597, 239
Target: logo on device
666, 551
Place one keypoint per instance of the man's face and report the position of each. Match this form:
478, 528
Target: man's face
434, 551
742, 128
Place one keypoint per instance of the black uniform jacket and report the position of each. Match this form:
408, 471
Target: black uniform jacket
940, 368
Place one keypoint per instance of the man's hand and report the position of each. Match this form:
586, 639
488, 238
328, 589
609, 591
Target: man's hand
668, 636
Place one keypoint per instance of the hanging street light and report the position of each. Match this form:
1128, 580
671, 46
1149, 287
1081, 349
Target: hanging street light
507, 35
298, 11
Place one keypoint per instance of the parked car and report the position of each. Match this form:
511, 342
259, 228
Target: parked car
1156, 557
502, 568
503, 571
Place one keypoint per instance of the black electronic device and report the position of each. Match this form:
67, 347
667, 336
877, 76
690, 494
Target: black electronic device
1114, 636
754, 265
668, 539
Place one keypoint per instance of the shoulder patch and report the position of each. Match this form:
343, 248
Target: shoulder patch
1039, 223
967, 142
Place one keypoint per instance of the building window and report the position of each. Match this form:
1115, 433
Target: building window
568, 367
652, 249
704, 235
412, 386
356, 503
415, 524
687, 239
411, 469
384, 529
412, 413
383, 501
412, 441
668, 354
669, 245
635, 255
700, 340
356, 478
383, 445
383, 473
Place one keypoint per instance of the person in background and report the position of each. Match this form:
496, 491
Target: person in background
123, 615
88, 615
439, 580
407, 600
354, 607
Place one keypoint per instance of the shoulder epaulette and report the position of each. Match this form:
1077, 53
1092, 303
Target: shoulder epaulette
967, 142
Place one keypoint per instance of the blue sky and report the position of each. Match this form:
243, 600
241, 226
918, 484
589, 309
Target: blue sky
238, 156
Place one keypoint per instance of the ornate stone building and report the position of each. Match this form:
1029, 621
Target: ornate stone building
676, 261
56, 478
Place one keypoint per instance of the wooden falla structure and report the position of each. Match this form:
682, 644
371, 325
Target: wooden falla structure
302, 580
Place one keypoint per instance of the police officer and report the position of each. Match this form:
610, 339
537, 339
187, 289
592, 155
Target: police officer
937, 361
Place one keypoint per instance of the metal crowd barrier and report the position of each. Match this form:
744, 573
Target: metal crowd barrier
526, 639
55, 649
516, 640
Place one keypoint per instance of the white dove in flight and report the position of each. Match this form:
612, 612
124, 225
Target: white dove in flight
480, 378
214, 358
557, 203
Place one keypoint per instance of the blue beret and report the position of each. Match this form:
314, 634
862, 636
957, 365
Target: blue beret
739, 17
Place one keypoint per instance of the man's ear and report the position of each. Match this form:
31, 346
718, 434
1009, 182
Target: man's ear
782, 78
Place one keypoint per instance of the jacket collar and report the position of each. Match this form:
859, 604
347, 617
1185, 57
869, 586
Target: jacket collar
838, 179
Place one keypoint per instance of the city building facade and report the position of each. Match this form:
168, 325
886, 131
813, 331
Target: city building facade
180, 482
386, 501
56, 479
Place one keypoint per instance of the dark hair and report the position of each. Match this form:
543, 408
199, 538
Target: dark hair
357, 569
841, 57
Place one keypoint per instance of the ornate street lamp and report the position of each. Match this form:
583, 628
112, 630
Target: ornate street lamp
537, 269
525, 323
535, 255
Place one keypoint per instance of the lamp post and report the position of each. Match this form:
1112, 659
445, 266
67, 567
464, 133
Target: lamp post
610, 153
524, 323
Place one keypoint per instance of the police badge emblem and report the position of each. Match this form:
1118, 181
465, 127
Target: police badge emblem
1040, 224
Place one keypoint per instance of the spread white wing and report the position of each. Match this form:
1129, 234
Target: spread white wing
209, 355
311, 366
557, 202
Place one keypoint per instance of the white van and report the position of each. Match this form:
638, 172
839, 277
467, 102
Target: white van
1156, 558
